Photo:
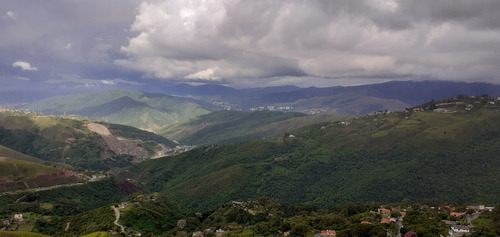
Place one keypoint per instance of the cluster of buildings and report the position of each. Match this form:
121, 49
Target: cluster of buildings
457, 228
460, 228
17, 219
273, 108
218, 232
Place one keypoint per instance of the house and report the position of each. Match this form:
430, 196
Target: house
459, 230
198, 234
384, 211
385, 221
326, 233
366, 222
489, 208
403, 214
18, 216
456, 214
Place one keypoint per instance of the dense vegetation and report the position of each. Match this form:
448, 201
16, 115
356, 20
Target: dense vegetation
86, 207
224, 127
385, 157
154, 215
67, 200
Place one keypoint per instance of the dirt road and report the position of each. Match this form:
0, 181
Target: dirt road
117, 215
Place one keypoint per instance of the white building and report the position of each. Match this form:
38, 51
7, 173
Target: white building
458, 230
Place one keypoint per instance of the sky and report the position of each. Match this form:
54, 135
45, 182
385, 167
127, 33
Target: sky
105, 44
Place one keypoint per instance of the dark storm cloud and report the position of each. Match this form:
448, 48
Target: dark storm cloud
246, 42
63, 37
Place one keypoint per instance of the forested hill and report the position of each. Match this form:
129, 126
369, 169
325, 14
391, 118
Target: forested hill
76, 142
447, 150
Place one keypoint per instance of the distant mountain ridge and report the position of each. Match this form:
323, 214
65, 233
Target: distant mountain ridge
357, 100
148, 111
159, 112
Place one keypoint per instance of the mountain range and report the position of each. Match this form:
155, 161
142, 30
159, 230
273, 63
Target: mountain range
169, 106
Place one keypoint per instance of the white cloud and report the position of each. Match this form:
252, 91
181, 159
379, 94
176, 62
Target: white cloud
108, 82
23, 78
207, 74
11, 14
25, 66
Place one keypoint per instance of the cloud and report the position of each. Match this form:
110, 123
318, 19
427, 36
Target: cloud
246, 42
182, 39
25, 66
11, 14
207, 74
23, 78
337, 40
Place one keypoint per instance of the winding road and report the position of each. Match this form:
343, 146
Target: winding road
117, 215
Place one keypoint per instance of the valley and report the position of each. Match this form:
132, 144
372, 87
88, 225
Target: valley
261, 173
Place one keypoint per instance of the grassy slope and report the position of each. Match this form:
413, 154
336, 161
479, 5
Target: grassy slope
225, 127
19, 170
11, 154
20, 234
419, 156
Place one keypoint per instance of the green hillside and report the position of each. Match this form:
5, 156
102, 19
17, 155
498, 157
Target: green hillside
142, 110
224, 127
354, 103
151, 213
448, 152
11, 154
19, 170
79, 143
20, 234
